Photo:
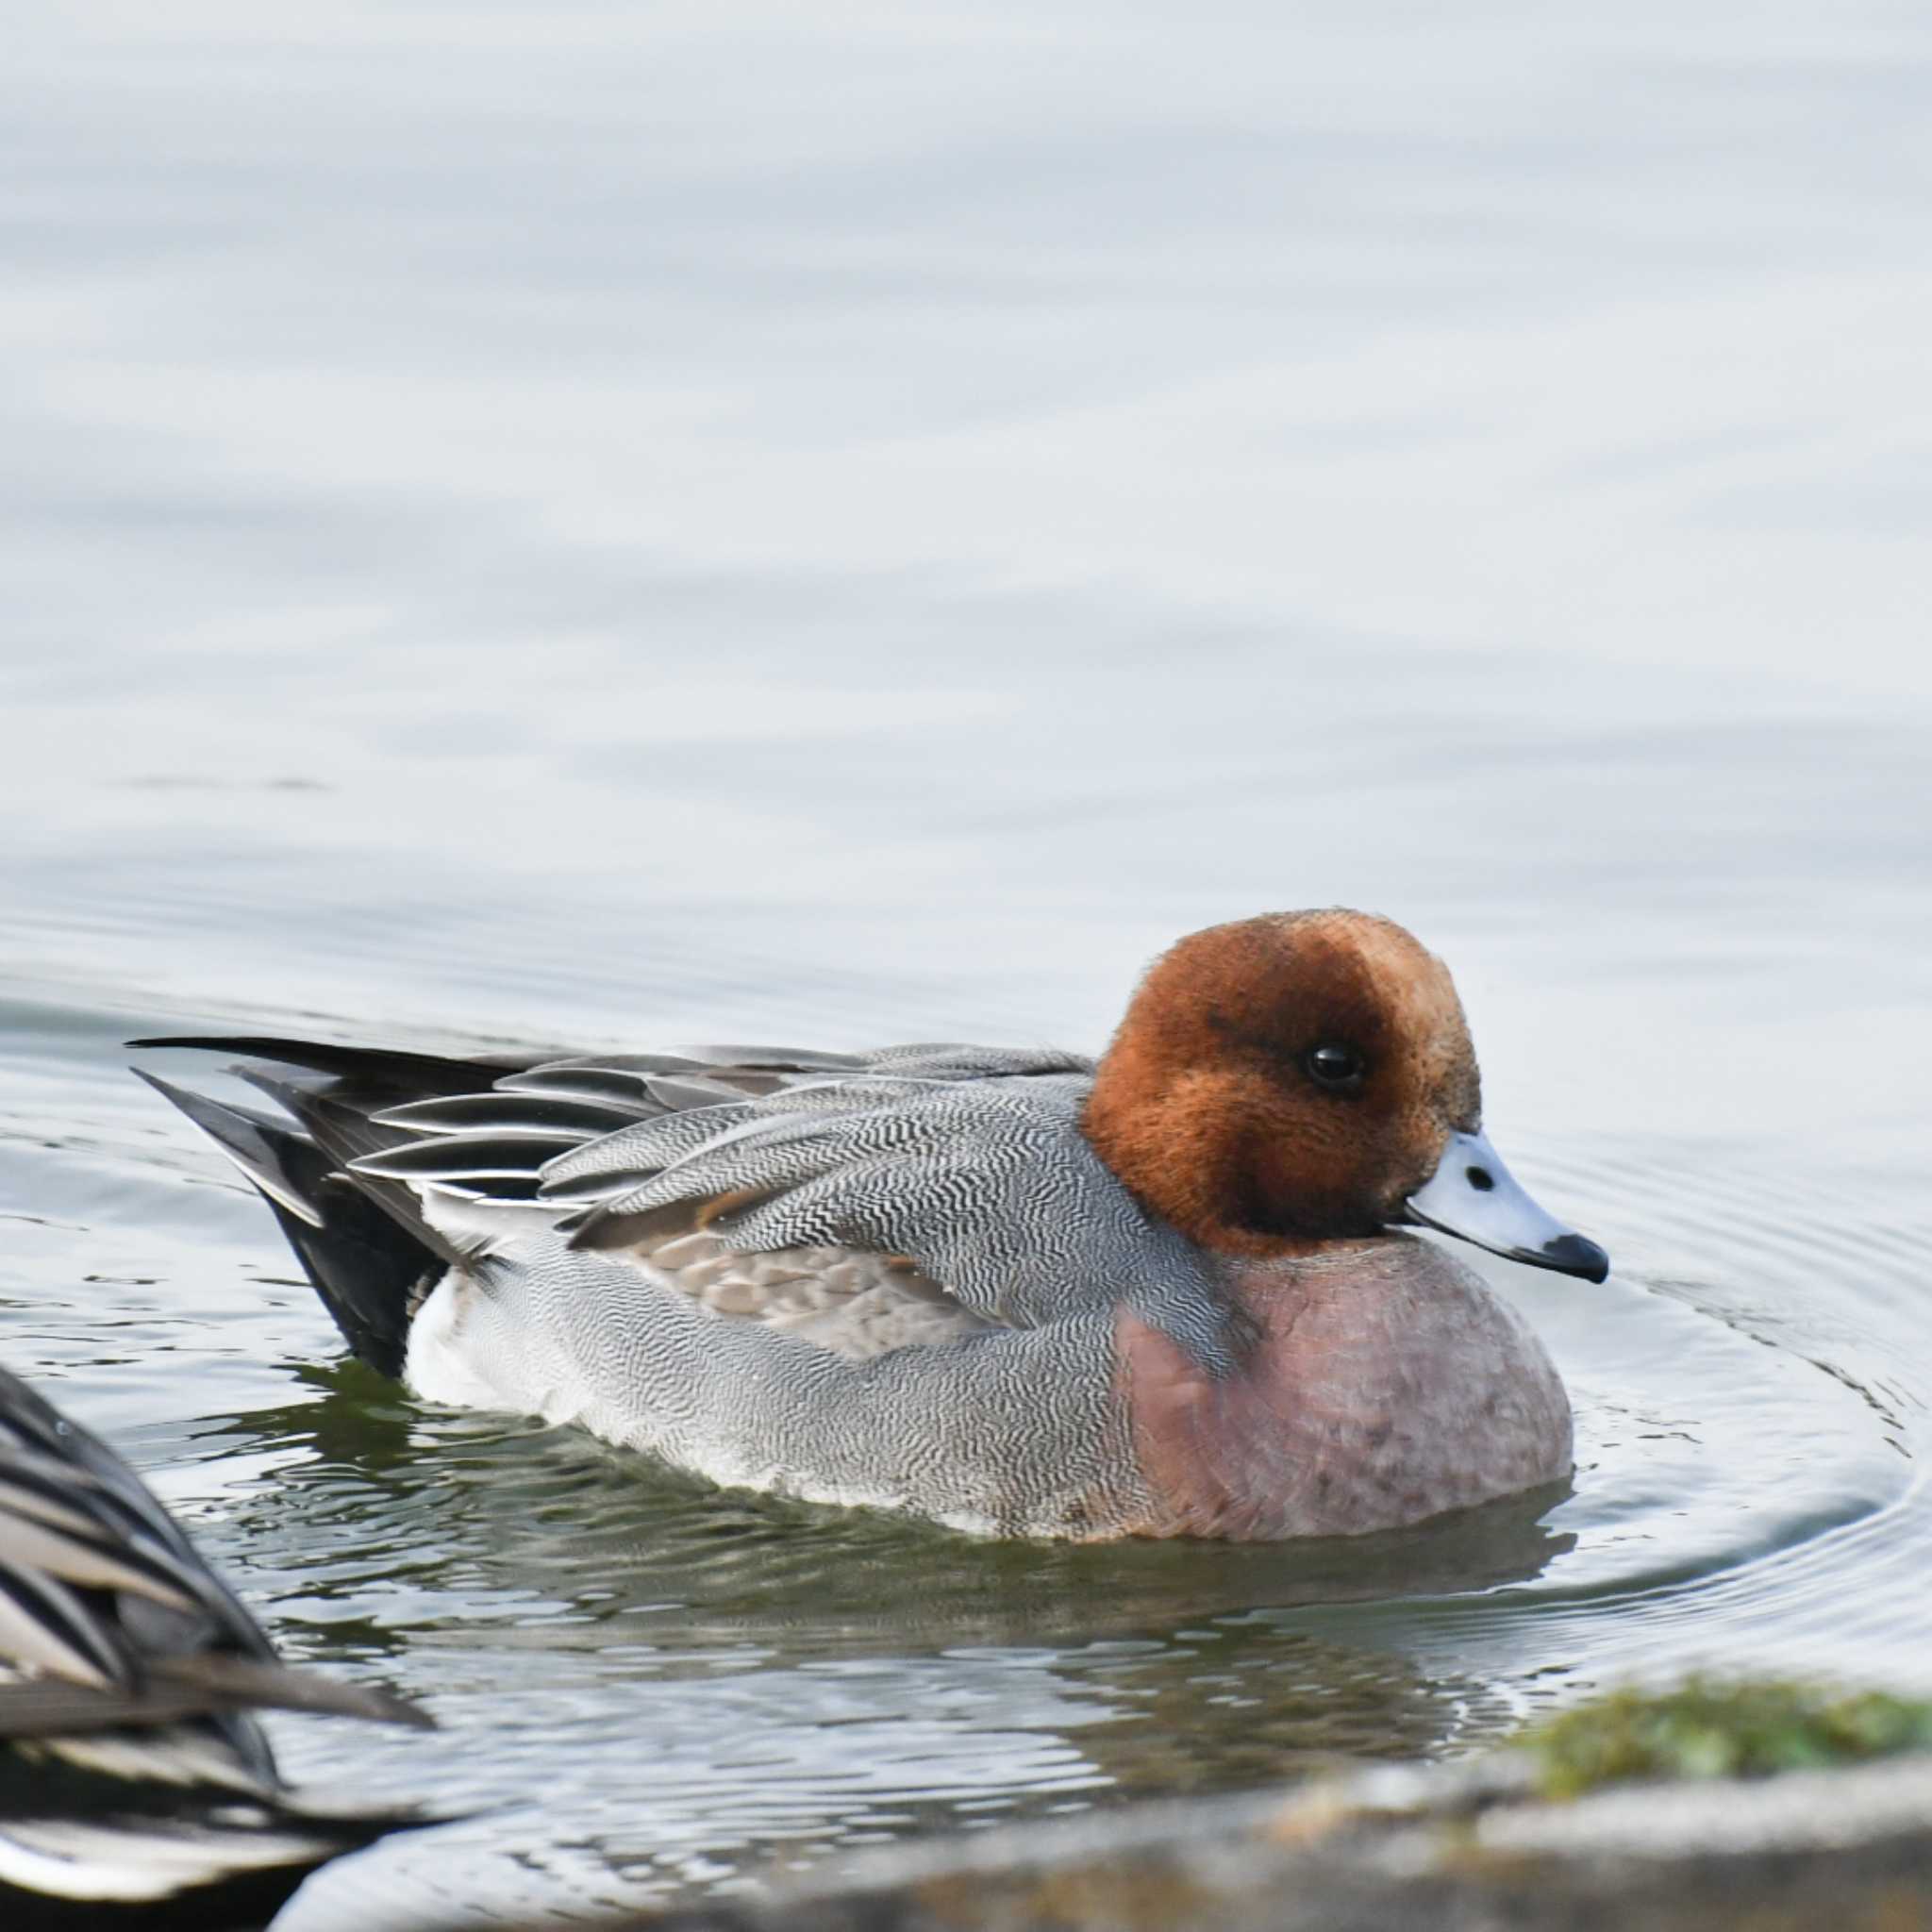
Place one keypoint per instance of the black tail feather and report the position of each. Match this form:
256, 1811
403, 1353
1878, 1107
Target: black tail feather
362, 1244
362, 1072
369, 1273
342, 1134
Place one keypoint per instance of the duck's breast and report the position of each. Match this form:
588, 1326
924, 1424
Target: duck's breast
1384, 1383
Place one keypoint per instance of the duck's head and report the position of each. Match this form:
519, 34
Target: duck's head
1309, 1076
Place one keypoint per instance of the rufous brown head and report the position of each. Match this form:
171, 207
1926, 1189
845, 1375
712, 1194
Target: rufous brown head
1307, 1076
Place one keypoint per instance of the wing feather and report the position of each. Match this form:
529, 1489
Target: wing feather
982, 1180
569, 1121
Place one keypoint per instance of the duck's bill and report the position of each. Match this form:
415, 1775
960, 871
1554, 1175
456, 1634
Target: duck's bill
1475, 1197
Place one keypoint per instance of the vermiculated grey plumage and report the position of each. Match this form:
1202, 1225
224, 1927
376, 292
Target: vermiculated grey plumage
953, 1175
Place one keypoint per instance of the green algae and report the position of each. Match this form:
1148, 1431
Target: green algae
1708, 1729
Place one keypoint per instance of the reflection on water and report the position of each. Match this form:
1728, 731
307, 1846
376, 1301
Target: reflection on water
550, 1527
598, 526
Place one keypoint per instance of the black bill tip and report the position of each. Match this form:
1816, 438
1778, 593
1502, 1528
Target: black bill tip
1570, 1254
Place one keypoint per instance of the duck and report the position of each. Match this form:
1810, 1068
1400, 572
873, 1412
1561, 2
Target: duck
136, 1786
1188, 1289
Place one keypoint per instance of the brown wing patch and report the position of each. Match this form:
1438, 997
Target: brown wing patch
849, 1303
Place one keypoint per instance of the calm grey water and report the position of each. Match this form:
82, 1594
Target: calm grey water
610, 524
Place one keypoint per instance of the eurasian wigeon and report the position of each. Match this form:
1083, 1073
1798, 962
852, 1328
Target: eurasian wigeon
1016, 1292
135, 1787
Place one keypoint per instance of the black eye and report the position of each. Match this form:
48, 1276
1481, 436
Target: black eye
1336, 1066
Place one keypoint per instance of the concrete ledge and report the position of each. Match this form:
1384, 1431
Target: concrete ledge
1450, 1848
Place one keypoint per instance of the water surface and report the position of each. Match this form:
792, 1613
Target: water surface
603, 526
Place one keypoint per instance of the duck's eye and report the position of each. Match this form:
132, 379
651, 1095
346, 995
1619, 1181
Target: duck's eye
1338, 1068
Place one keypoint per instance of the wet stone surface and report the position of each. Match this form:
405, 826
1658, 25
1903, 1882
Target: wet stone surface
1461, 1847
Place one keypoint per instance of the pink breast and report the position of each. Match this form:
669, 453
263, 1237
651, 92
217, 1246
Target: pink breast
1386, 1384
